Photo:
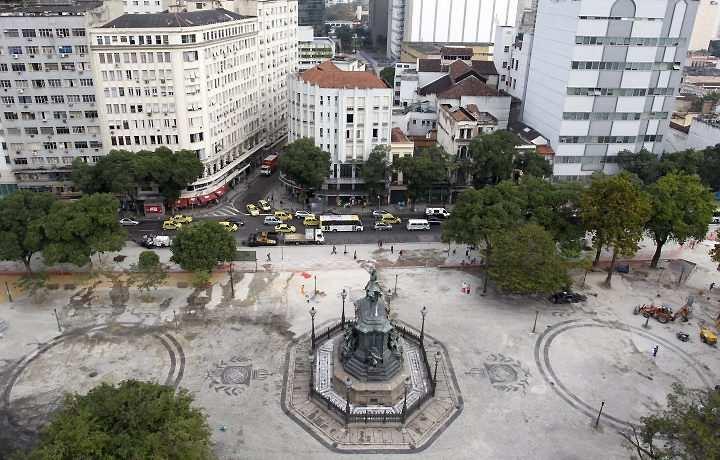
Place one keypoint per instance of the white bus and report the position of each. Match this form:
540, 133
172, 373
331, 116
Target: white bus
334, 223
418, 224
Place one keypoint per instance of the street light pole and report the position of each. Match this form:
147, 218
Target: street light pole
313, 312
535, 323
396, 278
57, 318
404, 409
597, 421
343, 294
423, 312
232, 283
348, 386
437, 360
315, 285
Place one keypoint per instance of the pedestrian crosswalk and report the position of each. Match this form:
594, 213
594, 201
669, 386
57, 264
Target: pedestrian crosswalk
226, 210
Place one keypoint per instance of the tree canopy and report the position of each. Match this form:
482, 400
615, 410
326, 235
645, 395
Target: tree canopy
650, 167
77, 230
148, 273
615, 209
682, 208
492, 157
130, 420
22, 216
525, 261
533, 164
374, 171
202, 245
305, 164
422, 170
687, 429
388, 76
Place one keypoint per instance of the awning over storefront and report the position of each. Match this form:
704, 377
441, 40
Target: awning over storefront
182, 203
193, 201
221, 191
205, 199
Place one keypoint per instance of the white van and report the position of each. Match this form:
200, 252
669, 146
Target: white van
418, 224
437, 212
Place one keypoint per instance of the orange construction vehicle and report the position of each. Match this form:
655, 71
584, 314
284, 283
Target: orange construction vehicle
661, 313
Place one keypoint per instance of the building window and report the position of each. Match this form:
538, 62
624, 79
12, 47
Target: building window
28, 33
349, 117
188, 38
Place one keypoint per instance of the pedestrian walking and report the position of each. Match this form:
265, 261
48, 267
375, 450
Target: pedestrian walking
268, 257
380, 244
355, 255
467, 253
392, 249
400, 252
712, 285
302, 289
454, 251
655, 350
334, 250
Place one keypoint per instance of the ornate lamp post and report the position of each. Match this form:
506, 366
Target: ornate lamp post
232, 282
311, 361
437, 360
313, 312
423, 312
404, 409
348, 386
343, 294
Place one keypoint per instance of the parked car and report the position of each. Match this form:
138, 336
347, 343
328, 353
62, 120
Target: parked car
379, 213
264, 206
311, 221
181, 219
434, 221
283, 215
437, 212
126, 221
303, 214
237, 222
171, 225
229, 226
389, 219
252, 210
382, 226
285, 228
567, 297
271, 220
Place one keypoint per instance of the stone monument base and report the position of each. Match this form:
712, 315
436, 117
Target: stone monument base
383, 393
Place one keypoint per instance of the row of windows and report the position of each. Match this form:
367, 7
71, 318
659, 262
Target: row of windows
629, 41
615, 115
57, 115
51, 83
133, 58
50, 66
620, 91
138, 108
34, 49
47, 130
562, 159
114, 125
71, 98
603, 65
132, 39
609, 139
143, 140
32, 33
137, 91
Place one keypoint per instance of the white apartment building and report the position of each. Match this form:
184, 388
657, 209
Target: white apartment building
347, 113
147, 6
49, 108
313, 50
277, 24
603, 76
182, 80
707, 25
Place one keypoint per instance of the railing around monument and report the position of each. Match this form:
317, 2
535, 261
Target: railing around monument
372, 416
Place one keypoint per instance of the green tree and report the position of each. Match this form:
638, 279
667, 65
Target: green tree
525, 261
493, 157
682, 208
201, 246
615, 209
77, 230
148, 273
132, 420
374, 171
114, 173
305, 164
388, 76
687, 429
171, 171
22, 215
645, 165
422, 170
533, 164
345, 35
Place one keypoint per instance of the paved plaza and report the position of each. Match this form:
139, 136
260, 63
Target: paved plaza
524, 394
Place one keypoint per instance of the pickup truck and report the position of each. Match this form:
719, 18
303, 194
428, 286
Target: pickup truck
311, 236
263, 239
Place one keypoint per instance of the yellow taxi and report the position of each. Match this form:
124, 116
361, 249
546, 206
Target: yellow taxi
283, 215
389, 219
170, 224
264, 206
181, 219
229, 226
285, 228
252, 210
311, 221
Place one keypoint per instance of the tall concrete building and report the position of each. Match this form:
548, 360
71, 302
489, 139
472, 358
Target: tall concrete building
311, 12
347, 114
603, 76
185, 81
50, 112
707, 25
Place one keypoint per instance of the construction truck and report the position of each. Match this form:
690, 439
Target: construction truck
311, 236
263, 239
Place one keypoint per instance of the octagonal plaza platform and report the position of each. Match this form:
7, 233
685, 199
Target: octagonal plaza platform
373, 429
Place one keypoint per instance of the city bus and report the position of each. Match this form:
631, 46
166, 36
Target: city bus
334, 223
